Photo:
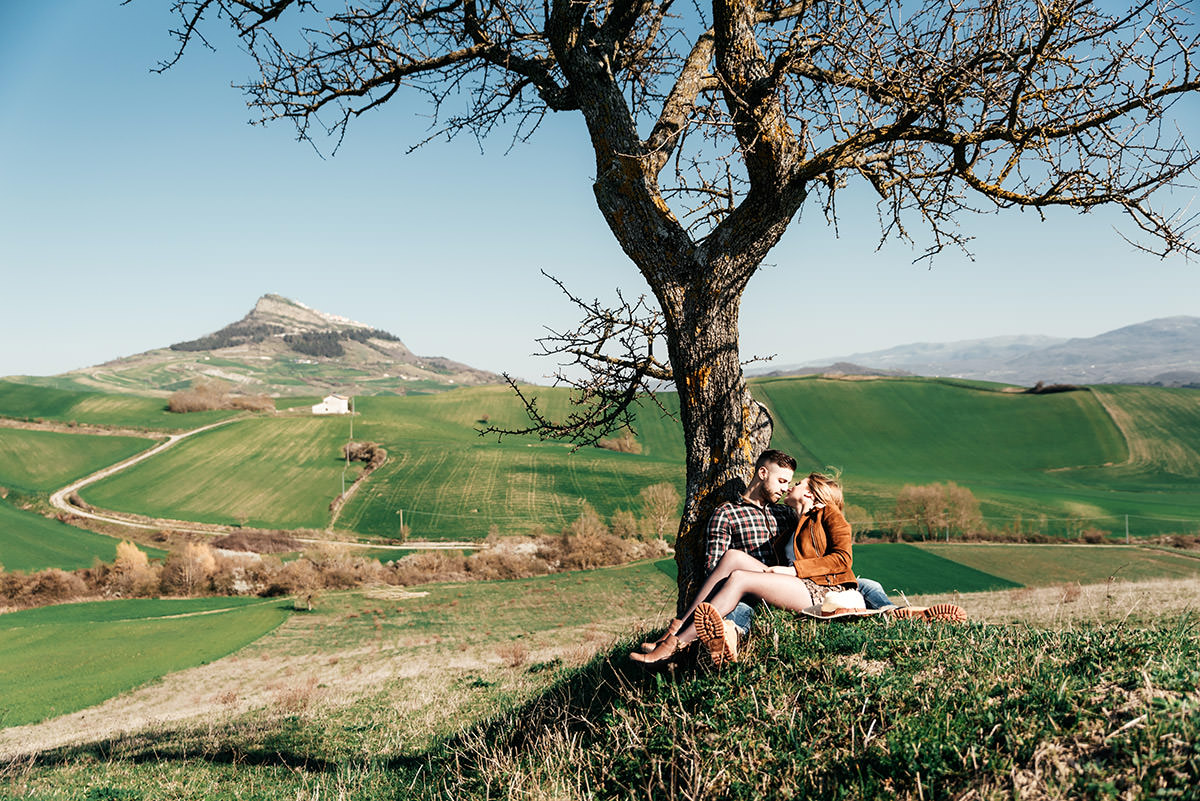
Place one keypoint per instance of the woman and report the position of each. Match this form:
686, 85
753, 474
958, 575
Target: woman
815, 558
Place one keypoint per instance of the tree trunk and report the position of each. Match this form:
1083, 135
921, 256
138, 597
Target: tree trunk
725, 428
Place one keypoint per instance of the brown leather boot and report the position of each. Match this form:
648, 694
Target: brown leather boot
672, 628
663, 651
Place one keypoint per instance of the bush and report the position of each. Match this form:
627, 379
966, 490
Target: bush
492, 565
426, 566
624, 524
209, 394
132, 575
626, 443
188, 569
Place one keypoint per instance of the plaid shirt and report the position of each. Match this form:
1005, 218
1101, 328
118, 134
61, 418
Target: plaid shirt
742, 525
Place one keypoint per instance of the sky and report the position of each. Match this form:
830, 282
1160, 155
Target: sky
141, 209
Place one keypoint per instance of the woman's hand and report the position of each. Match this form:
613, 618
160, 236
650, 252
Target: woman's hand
784, 569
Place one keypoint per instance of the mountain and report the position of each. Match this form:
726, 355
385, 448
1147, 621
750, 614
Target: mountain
1164, 351
836, 369
283, 347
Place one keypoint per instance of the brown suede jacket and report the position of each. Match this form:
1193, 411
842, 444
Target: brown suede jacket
822, 543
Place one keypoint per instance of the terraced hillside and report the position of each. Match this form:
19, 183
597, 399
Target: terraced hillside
1055, 461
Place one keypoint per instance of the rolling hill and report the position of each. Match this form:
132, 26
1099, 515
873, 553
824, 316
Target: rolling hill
1051, 462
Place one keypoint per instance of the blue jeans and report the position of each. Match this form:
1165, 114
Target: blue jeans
742, 616
873, 594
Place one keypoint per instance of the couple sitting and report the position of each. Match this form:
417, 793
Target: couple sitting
790, 555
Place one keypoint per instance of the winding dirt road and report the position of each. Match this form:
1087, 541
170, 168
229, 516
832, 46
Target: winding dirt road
61, 500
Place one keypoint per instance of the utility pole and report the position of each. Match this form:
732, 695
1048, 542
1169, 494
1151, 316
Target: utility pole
1126, 529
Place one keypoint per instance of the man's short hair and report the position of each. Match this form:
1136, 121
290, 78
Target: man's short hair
772, 456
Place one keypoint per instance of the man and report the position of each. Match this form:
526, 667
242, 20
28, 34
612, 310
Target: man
750, 523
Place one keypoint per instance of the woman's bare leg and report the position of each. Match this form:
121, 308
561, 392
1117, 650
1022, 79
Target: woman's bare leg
732, 560
777, 589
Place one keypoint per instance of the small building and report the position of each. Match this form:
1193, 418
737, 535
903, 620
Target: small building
333, 404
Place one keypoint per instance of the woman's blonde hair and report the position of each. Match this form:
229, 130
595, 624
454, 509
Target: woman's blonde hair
827, 489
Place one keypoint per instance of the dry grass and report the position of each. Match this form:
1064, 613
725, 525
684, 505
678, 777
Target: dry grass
1063, 605
419, 661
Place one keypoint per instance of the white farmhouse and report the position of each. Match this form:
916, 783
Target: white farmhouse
333, 404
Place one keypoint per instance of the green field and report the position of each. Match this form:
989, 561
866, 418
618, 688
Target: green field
451, 483
902, 568
27, 402
1042, 565
1053, 463
264, 471
41, 461
86, 653
30, 542
1059, 455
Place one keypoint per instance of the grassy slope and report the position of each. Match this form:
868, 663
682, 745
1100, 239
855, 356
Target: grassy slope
23, 401
451, 483
30, 542
1023, 455
40, 461
866, 710
862, 711
276, 472
1041, 565
88, 652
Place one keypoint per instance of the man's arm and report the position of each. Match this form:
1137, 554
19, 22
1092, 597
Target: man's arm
717, 538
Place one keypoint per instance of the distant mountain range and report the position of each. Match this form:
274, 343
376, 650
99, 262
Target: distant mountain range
1165, 351
282, 347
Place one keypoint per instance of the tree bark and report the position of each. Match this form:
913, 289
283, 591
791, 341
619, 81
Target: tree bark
725, 427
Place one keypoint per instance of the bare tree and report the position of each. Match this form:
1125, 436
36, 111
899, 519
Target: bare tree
935, 507
660, 507
713, 125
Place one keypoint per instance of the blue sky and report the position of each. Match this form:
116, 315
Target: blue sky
139, 210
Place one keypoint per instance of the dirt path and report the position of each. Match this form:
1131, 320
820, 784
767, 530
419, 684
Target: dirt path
59, 500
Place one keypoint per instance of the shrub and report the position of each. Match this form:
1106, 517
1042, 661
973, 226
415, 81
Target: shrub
55, 585
626, 443
624, 524
425, 566
132, 575
209, 394
258, 542
492, 565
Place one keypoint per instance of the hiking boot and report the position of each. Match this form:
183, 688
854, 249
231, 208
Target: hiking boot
718, 635
672, 628
662, 652
952, 613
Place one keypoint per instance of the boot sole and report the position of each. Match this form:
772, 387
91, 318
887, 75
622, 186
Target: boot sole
710, 628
